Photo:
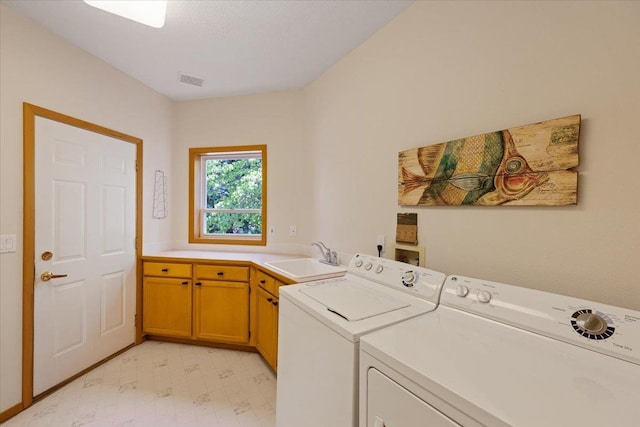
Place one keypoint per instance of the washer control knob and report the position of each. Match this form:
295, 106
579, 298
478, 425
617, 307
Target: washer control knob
359, 263
484, 296
409, 278
462, 291
592, 323
379, 269
368, 266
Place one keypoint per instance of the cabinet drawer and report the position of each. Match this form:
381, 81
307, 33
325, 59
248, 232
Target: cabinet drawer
221, 272
269, 283
166, 269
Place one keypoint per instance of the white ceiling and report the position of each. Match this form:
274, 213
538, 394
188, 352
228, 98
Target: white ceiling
238, 47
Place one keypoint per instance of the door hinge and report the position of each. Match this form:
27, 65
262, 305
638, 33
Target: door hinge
136, 166
135, 320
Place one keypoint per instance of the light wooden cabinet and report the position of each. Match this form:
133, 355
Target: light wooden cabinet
267, 319
269, 283
201, 301
167, 269
222, 272
166, 303
221, 303
192, 300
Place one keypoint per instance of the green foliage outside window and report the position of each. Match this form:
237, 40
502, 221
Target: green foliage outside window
234, 184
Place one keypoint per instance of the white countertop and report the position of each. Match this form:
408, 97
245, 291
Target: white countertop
254, 257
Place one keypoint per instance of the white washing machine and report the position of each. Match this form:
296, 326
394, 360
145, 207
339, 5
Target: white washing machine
320, 325
499, 355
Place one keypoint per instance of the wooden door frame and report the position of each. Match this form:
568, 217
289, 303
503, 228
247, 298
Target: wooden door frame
30, 112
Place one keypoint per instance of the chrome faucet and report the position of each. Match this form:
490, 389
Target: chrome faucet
330, 257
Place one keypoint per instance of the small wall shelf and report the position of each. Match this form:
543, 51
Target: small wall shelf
410, 254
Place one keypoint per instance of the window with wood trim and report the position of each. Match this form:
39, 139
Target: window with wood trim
228, 195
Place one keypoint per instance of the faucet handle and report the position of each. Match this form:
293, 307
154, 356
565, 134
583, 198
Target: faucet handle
321, 244
330, 257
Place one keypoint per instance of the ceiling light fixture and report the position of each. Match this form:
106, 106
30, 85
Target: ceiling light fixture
147, 12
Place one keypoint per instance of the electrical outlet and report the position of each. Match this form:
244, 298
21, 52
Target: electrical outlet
293, 231
381, 241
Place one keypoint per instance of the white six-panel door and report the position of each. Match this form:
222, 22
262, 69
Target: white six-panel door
85, 204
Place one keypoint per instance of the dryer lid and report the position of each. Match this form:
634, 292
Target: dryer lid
501, 375
352, 302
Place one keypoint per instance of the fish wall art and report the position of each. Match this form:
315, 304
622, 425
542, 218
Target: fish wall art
529, 165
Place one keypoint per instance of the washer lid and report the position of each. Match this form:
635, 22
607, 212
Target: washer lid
350, 302
376, 305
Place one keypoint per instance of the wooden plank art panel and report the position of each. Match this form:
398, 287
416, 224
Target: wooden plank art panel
527, 165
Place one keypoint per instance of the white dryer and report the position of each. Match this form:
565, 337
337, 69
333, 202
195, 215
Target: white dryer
499, 355
320, 325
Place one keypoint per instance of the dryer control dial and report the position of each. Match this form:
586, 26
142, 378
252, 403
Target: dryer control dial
484, 296
409, 278
379, 269
368, 266
591, 323
359, 263
595, 326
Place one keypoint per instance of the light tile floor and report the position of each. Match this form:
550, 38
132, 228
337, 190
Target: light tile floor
160, 384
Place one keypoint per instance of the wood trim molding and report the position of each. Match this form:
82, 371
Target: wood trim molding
194, 221
202, 343
30, 112
10, 412
28, 258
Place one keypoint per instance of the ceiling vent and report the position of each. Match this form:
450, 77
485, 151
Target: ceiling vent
190, 80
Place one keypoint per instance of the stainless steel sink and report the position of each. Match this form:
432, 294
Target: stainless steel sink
306, 269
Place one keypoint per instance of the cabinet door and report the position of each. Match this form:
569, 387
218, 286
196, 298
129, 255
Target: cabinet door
390, 404
267, 326
221, 311
166, 306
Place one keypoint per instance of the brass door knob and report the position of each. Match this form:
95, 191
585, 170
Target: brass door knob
47, 275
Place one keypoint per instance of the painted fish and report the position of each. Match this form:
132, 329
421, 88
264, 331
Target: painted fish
480, 170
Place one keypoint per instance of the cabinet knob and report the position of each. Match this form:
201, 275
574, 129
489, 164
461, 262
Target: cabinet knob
198, 283
269, 299
275, 303
165, 270
263, 281
220, 273
185, 283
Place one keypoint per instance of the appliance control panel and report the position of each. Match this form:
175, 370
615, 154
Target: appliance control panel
599, 327
417, 281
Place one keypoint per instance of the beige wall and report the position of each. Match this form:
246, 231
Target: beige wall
439, 71
275, 119
42, 69
444, 70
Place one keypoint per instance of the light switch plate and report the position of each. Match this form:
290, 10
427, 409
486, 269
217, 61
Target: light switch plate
7, 243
